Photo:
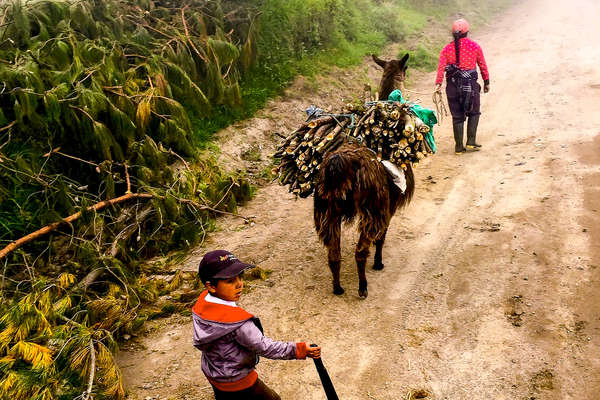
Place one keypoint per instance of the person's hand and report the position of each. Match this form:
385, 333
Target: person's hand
313, 351
486, 88
438, 87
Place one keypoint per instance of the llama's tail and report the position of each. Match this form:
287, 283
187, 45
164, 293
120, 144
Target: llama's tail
333, 195
335, 177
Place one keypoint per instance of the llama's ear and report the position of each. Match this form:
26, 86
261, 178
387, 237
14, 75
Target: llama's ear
379, 61
404, 59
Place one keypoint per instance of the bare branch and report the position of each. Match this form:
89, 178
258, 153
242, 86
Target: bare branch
87, 394
8, 126
233, 183
127, 179
187, 166
83, 111
129, 230
187, 34
57, 151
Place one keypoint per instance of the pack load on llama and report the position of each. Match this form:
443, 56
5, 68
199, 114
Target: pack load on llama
391, 129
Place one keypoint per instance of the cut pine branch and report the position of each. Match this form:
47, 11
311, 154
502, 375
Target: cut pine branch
98, 206
53, 226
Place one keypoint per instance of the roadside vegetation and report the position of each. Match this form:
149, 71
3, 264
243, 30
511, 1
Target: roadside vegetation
107, 109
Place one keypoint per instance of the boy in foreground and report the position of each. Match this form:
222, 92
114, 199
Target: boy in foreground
230, 338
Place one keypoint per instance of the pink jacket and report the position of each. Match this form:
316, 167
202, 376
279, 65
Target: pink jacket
470, 55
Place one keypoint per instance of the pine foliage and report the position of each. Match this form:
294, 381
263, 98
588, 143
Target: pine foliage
96, 98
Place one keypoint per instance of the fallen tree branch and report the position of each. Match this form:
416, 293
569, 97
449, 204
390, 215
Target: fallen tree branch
98, 206
57, 151
233, 183
51, 227
205, 207
83, 111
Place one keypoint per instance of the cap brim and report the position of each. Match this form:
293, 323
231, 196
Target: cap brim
233, 270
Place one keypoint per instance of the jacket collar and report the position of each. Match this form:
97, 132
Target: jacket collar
219, 312
214, 299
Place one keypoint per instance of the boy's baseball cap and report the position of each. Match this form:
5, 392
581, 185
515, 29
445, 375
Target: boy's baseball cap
220, 264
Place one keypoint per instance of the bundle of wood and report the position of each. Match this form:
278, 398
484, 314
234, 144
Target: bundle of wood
390, 129
393, 132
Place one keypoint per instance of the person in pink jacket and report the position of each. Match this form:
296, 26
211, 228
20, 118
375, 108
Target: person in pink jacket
230, 338
459, 60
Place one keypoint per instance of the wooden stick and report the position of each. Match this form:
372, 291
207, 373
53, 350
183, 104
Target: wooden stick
315, 122
367, 114
320, 132
127, 180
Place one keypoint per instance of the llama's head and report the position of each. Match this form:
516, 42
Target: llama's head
394, 73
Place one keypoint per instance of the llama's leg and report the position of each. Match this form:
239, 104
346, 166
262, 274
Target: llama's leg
361, 255
334, 258
378, 263
334, 255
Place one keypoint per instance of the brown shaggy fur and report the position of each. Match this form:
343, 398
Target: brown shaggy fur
350, 183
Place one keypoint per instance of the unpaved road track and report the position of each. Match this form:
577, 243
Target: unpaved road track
492, 282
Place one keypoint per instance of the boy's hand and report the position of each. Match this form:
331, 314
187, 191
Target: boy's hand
313, 351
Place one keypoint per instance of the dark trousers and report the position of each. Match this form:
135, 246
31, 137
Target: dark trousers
258, 391
456, 109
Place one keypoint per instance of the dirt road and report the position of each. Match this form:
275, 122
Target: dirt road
492, 282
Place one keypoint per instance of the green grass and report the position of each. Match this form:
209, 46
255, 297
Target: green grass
413, 20
423, 58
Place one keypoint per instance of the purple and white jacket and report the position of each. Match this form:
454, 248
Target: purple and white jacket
231, 341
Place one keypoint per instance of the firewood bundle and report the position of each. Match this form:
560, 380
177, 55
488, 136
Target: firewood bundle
303, 150
394, 133
389, 129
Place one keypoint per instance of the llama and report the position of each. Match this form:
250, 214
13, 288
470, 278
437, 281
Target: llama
351, 183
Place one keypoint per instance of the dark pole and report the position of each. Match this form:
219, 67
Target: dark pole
325, 380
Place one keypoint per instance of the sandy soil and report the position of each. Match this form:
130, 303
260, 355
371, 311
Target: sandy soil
492, 282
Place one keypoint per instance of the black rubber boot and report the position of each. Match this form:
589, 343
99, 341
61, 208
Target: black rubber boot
458, 128
472, 133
